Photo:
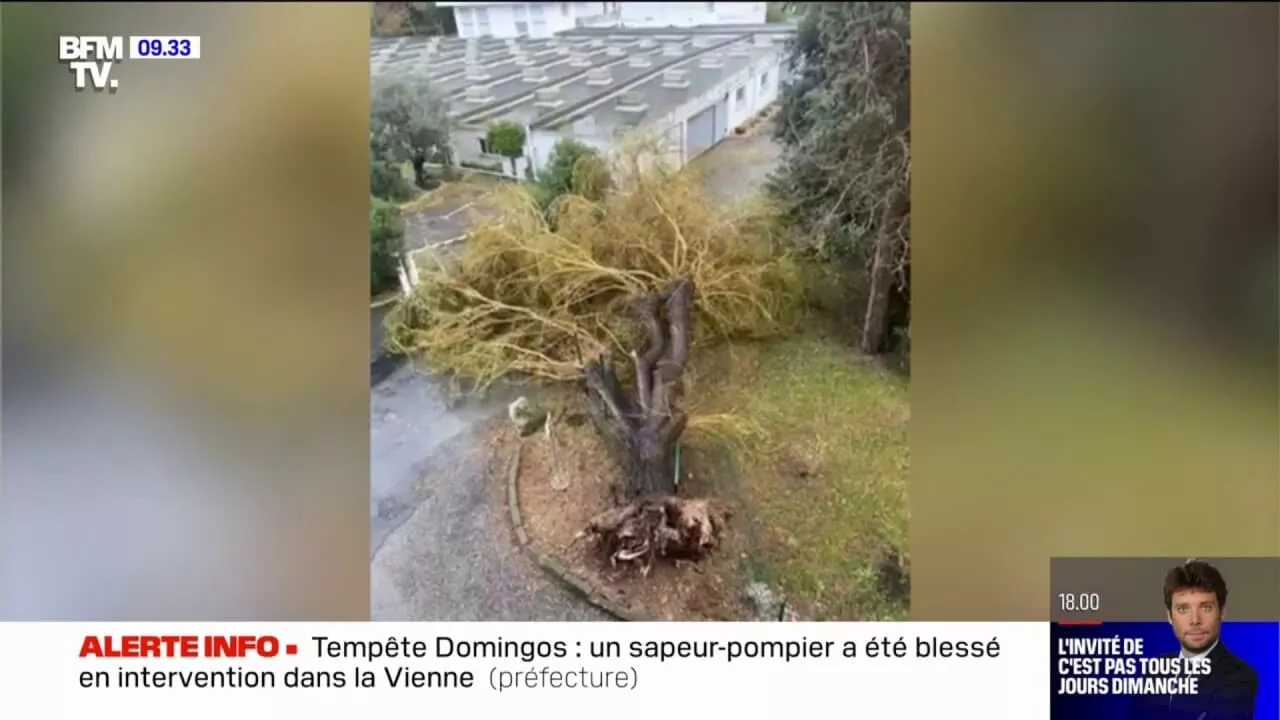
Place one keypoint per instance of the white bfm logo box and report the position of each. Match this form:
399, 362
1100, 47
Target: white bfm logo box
91, 57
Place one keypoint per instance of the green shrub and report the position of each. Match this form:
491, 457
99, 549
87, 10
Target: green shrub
573, 168
507, 139
387, 181
557, 178
386, 243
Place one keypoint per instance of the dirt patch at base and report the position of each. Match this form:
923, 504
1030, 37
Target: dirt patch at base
576, 459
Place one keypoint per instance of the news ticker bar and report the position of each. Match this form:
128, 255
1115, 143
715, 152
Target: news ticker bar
552, 669
755, 670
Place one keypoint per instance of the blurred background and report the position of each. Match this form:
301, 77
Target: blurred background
185, 383
185, 399
1095, 370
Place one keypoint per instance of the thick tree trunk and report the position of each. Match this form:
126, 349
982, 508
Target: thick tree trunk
420, 172
642, 430
645, 450
875, 323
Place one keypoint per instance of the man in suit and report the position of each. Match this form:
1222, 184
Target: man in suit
1195, 597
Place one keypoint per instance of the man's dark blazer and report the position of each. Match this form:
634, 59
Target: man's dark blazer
1228, 692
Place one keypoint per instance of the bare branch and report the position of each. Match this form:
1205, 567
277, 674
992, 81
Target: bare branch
647, 309
603, 382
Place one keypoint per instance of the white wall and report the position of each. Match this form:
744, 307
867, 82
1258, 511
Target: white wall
673, 145
543, 19
543, 142
514, 19
757, 86
539, 147
687, 14
467, 148
597, 14
736, 13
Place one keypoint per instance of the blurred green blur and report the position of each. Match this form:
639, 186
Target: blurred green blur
1095, 307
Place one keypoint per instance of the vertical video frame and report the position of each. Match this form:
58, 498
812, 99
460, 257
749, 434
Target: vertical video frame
639, 315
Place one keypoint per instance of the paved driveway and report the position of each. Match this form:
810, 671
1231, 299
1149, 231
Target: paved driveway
441, 546
448, 216
737, 167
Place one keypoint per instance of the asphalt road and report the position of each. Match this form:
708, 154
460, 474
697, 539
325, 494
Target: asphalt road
440, 542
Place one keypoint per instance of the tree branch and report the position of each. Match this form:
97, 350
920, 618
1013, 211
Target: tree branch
604, 383
647, 309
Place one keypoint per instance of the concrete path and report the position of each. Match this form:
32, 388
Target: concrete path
737, 167
449, 216
430, 226
441, 546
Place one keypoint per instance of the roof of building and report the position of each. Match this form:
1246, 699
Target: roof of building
578, 78
656, 95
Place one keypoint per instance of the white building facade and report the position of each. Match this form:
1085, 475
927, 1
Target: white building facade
529, 19
544, 19
689, 14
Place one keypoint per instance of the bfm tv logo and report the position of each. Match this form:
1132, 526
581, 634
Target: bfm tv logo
90, 58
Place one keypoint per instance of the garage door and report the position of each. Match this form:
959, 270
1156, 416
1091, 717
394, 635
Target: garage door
701, 133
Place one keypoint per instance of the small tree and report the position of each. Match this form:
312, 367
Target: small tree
386, 245
393, 19
387, 180
390, 19
428, 18
507, 139
845, 126
409, 122
591, 178
573, 167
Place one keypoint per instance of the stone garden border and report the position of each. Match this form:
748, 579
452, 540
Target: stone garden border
554, 567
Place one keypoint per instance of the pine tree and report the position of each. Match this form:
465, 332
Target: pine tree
844, 124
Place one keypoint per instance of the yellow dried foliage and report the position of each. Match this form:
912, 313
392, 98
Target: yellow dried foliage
525, 299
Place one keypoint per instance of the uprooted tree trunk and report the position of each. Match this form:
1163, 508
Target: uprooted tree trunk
643, 430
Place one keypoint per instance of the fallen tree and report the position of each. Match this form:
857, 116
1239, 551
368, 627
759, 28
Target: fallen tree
643, 429
525, 299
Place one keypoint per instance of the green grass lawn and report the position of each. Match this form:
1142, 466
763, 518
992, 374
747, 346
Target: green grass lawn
826, 482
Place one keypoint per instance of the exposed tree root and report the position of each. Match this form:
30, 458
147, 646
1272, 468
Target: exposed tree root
657, 526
